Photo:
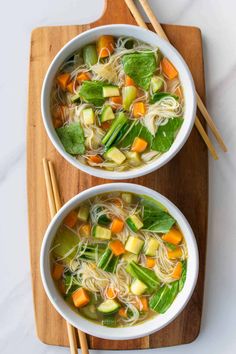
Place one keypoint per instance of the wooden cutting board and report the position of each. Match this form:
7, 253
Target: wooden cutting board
184, 181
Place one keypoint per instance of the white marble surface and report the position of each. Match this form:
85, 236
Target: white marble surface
217, 21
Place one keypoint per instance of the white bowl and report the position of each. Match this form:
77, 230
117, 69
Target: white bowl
139, 330
144, 35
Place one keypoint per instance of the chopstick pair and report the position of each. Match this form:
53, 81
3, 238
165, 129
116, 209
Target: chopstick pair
159, 30
54, 202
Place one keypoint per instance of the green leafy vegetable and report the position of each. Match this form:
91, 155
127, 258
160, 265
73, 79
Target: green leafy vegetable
183, 275
164, 297
147, 276
137, 129
72, 138
65, 243
140, 67
92, 92
159, 95
166, 134
155, 218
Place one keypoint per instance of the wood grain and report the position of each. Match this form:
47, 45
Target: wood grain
184, 180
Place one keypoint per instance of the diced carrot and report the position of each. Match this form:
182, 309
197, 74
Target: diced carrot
61, 287
71, 219
106, 125
95, 159
57, 271
105, 46
80, 297
116, 100
174, 236
142, 304
139, 145
174, 254
177, 271
117, 247
117, 226
150, 262
122, 312
63, 80
83, 77
138, 109
70, 87
178, 92
85, 230
168, 69
111, 294
129, 81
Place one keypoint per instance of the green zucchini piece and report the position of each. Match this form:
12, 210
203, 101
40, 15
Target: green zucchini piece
157, 83
110, 91
108, 307
115, 155
83, 213
138, 287
88, 116
134, 244
129, 94
101, 232
89, 311
152, 247
90, 55
134, 223
127, 198
133, 158
107, 114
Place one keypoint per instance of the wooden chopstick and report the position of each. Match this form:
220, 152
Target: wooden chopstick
54, 205
159, 30
138, 18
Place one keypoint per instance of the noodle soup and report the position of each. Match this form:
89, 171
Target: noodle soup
117, 104
119, 259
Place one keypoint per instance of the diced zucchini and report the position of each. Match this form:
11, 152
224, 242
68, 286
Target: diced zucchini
134, 223
107, 114
133, 158
83, 213
128, 257
104, 220
134, 245
115, 129
152, 247
138, 287
90, 55
127, 197
101, 232
115, 155
157, 83
75, 98
110, 91
108, 306
89, 116
129, 94
89, 311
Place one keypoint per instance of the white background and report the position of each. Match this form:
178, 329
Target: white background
217, 21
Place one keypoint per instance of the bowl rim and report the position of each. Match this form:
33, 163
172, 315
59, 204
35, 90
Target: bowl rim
140, 171
146, 327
